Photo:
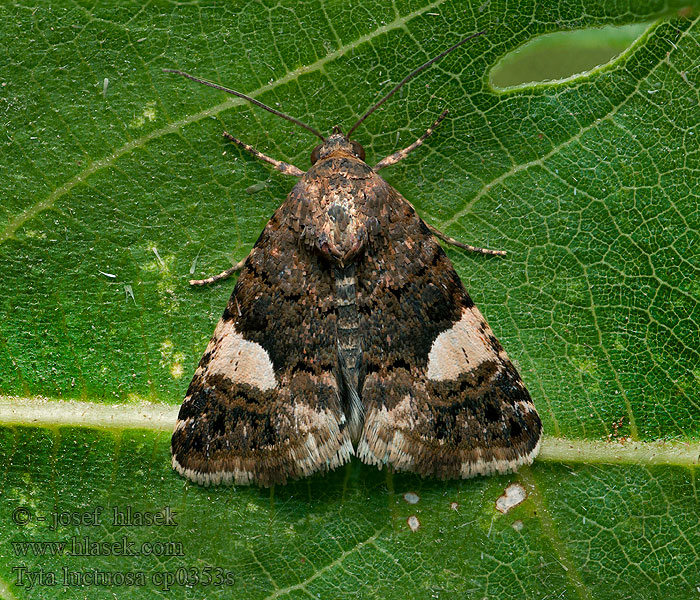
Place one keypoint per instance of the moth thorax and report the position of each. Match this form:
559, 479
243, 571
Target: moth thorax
343, 233
337, 143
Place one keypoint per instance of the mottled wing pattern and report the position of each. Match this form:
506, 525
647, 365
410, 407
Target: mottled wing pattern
264, 404
441, 397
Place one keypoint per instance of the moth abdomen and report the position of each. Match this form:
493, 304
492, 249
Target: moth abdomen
349, 343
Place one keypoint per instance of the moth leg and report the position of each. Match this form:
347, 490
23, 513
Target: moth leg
282, 167
454, 242
223, 275
397, 156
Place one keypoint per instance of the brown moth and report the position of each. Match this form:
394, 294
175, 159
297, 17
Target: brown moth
349, 333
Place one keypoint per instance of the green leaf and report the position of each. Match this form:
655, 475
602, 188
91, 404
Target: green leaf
116, 184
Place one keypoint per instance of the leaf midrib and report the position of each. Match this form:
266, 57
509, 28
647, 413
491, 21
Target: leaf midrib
53, 413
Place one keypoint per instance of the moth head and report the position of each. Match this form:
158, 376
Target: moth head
337, 143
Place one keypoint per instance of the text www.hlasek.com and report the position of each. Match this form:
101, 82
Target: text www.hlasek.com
84, 546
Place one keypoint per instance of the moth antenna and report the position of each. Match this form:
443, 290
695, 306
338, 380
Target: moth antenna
216, 86
410, 76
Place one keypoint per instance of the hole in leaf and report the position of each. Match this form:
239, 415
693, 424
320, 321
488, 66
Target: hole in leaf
564, 54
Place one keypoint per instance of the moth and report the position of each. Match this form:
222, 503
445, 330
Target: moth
349, 333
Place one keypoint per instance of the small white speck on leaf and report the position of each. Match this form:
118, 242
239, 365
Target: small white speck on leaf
488, 533
193, 267
110, 275
513, 495
454, 505
160, 260
411, 497
413, 523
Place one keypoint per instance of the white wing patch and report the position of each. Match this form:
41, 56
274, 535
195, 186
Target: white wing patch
240, 360
462, 348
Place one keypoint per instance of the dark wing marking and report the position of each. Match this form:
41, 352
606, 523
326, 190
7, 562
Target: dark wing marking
441, 397
264, 405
